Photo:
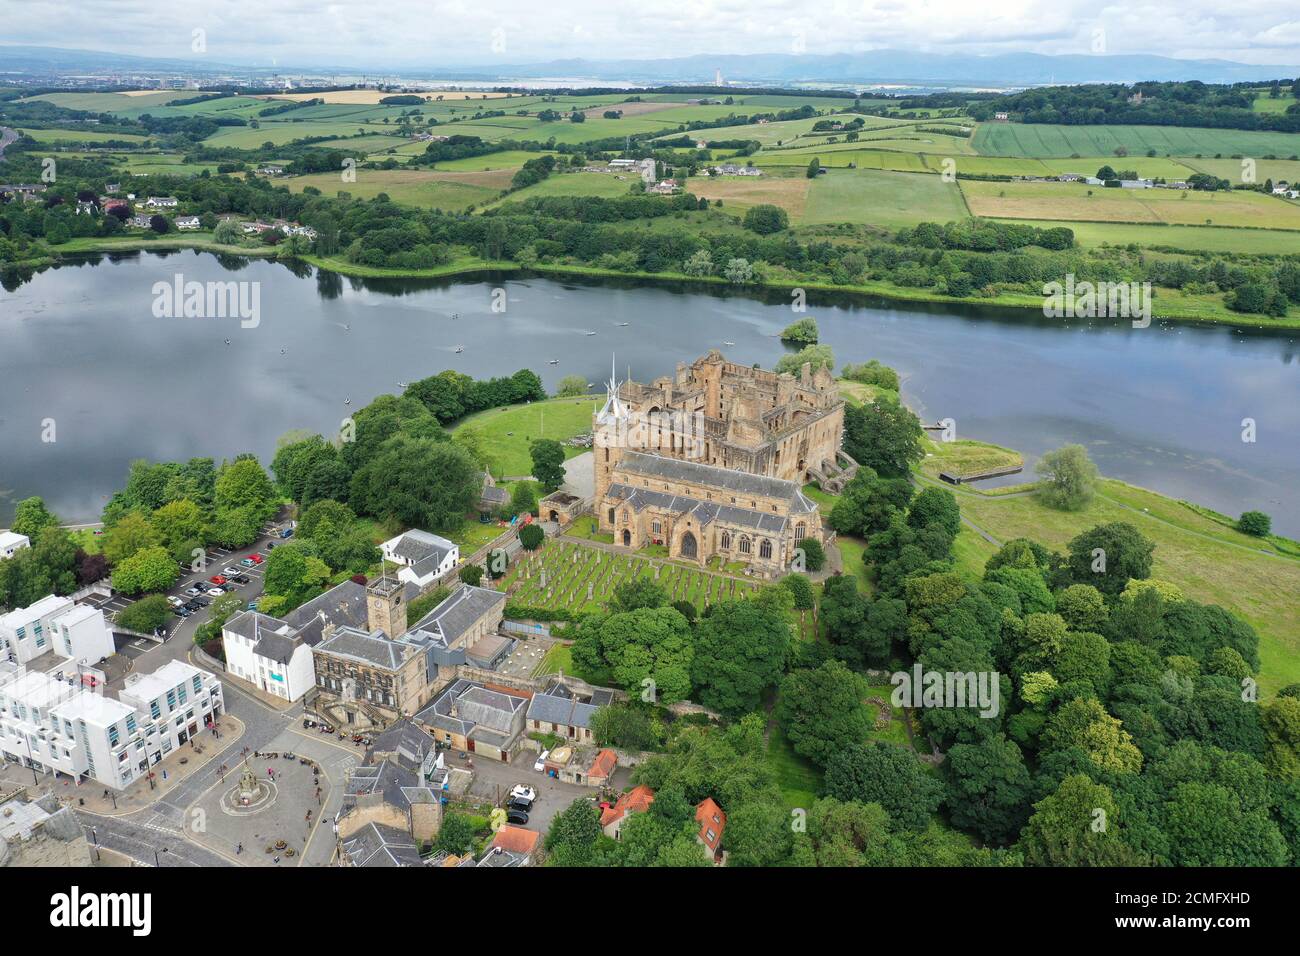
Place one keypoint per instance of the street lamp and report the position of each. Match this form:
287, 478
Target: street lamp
155, 856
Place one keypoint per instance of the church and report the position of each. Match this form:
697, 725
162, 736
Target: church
711, 463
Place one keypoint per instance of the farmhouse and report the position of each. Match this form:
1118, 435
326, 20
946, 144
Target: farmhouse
422, 557
162, 202
187, 222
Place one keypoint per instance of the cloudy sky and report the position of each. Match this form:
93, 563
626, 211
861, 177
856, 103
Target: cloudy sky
413, 33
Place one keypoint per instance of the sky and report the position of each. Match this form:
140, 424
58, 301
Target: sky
431, 33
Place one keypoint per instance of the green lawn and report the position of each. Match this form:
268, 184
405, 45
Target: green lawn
414, 187
87, 135
607, 185
1191, 238
508, 432
798, 779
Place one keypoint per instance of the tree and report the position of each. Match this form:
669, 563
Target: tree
628, 724
456, 835
822, 710
152, 569
419, 482
888, 775
145, 615
1078, 825
1281, 720
1082, 607
988, 788
801, 332
131, 533
471, 574
571, 386
1109, 556
531, 537
646, 651
548, 463
1085, 724
884, 436
814, 168
1254, 523
766, 219
244, 484
814, 555
935, 506
180, 526
740, 652
636, 593
523, 500
573, 835
1069, 478
816, 356
31, 517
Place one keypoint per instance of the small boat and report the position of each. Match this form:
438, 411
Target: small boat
401, 385
347, 401
553, 362
623, 325
728, 343
588, 333
459, 349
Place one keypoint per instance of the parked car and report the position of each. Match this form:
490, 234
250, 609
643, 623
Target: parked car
517, 817
215, 592
230, 572
174, 601
228, 587
217, 580
180, 612
255, 558
540, 766
193, 592
252, 605
523, 792
518, 806
270, 545
241, 579
201, 601
286, 533
247, 562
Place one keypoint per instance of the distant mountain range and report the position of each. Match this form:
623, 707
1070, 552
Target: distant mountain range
877, 67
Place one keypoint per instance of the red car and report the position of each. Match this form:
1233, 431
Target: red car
217, 579
255, 558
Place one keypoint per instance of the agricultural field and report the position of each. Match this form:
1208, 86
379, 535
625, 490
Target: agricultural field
562, 574
372, 97
739, 193
112, 102
510, 159
1075, 202
87, 135
1191, 238
1233, 169
429, 190
881, 198
606, 185
1041, 140
836, 158
1267, 104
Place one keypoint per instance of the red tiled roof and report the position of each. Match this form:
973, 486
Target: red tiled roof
515, 839
636, 800
603, 765
710, 817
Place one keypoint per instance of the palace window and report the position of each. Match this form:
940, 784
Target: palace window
798, 532
744, 545
725, 543
765, 549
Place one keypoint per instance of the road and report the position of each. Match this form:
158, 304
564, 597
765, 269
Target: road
7, 136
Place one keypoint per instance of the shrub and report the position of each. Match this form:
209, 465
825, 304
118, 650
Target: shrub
766, 219
531, 537
1254, 523
145, 614
814, 555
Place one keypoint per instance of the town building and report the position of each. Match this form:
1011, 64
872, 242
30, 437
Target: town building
565, 706
162, 202
636, 800
41, 833
712, 823
56, 725
369, 678
187, 222
57, 626
422, 558
474, 718
11, 542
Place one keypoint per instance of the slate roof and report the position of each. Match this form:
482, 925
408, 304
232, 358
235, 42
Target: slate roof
705, 511
560, 710
462, 609
387, 778
343, 605
375, 845
488, 708
738, 482
406, 740
373, 648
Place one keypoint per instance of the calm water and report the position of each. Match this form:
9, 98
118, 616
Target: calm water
1160, 407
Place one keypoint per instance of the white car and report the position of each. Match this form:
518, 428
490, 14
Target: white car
231, 572
540, 766
216, 592
175, 601
194, 592
523, 792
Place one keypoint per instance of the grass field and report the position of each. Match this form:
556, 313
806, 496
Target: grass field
607, 185
798, 779
1233, 170
510, 159
1043, 140
572, 570
740, 193
844, 158
507, 432
966, 458
882, 198
1075, 202
1266, 104
81, 136
430, 190
1191, 238
110, 102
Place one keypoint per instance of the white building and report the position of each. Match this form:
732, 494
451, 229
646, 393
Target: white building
422, 557
187, 222
11, 542
55, 624
56, 725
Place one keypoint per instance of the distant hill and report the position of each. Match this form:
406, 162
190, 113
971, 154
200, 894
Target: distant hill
884, 67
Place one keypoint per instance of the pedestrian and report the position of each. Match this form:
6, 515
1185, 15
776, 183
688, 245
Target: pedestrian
239, 849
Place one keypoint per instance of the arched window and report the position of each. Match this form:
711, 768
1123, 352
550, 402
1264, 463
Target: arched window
765, 549
656, 527
725, 543
688, 548
611, 515
799, 531
744, 545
